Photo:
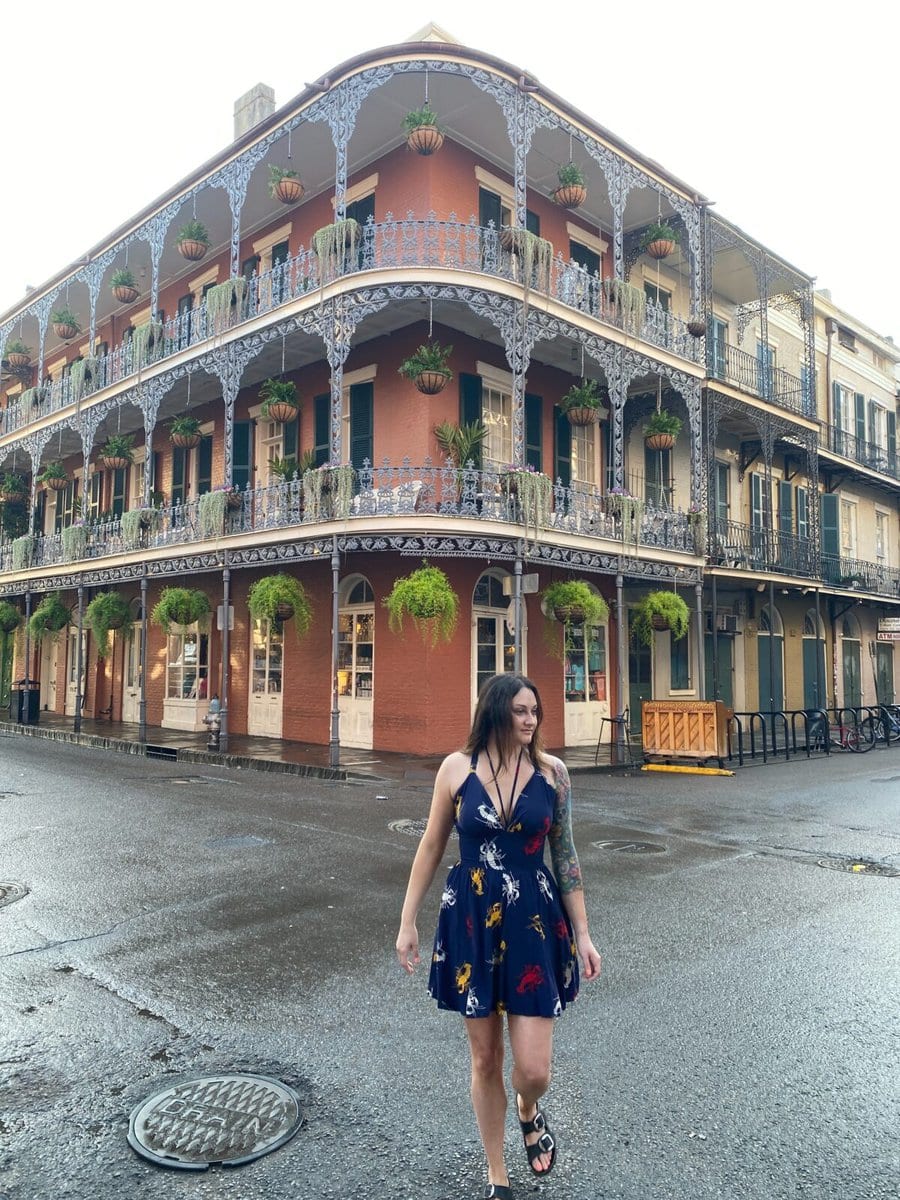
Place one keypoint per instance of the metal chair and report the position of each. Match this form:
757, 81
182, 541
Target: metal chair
619, 727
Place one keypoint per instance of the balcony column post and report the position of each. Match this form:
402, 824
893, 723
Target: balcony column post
700, 639
772, 625
27, 637
618, 389
79, 661
617, 749
715, 638
142, 702
821, 697
150, 396
334, 741
699, 474
517, 609
226, 654
228, 365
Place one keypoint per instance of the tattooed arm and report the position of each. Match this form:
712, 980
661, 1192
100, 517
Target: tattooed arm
568, 872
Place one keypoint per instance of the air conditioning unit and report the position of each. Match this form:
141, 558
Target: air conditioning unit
728, 623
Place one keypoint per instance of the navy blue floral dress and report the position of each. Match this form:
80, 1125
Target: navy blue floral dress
504, 942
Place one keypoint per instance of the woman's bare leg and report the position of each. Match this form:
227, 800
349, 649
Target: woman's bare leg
489, 1090
531, 1039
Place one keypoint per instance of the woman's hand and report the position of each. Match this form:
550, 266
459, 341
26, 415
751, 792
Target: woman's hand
589, 955
408, 948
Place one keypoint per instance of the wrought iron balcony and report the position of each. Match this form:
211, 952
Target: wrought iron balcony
385, 492
860, 576
748, 373
410, 243
868, 454
747, 548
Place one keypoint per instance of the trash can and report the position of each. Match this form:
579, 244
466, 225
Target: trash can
25, 702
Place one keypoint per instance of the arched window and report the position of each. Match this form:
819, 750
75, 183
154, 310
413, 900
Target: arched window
493, 635
356, 638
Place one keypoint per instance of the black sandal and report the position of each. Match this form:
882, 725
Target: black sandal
497, 1191
546, 1143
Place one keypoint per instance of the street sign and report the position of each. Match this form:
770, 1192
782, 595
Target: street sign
889, 624
889, 636
529, 584
220, 617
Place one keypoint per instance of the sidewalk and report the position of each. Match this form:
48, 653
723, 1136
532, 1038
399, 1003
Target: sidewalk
265, 754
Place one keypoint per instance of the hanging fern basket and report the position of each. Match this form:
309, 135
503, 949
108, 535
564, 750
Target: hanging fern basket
10, 617
660, 248
659, 441
288, 190
570, 195
186, 441
659, 623
64, 331
429, 383
191, 249
569, 614
425, 139
696, 328
583, 416
125, 294
281, 412
57, 483
17, 359
113, 462
12, 497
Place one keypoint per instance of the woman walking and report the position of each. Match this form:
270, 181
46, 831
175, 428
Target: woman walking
510, 931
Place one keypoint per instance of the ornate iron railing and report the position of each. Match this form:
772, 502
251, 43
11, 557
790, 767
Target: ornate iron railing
869, 454
748, 548
385, 492
427, 243
748, 373
861, 576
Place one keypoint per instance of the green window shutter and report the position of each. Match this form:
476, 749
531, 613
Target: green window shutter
534, 412
362, 397
488, 208
361, 210
470, 409
204, 465
562, 460
40, 512
756, 501
584, 257
179, 474
118, 495
785, 507
241, 463
836, 412
532, 222
892, 439
830, 531
802, 510
291, 442
859, 403
322, 428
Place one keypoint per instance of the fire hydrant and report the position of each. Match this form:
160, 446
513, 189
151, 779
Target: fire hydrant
213, 722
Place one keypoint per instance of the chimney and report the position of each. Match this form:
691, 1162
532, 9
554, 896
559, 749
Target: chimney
251, 108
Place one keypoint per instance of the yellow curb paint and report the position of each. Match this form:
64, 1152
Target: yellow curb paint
686, 770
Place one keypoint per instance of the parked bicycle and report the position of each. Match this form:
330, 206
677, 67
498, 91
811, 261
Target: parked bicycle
858, 737
885, 724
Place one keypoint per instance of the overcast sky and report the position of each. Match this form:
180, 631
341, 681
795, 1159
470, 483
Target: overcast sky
783, 113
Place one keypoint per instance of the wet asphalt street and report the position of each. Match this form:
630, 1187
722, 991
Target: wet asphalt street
742, 1041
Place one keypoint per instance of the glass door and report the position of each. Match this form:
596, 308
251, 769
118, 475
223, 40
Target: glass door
356, 664
131, 685
72, 688
264, 715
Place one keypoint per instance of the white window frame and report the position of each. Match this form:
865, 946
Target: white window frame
500, 382
848, 509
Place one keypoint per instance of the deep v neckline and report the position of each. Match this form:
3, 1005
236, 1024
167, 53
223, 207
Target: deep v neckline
515, 804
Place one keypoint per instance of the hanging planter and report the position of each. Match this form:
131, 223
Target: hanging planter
65, 324
696, 327
49, 618
106, 612
584, 404
180, 608
123, 286
571, 602
12, 488
54, 477
659, 611
10, 617
184, 432
279, 401
192, 240
659, 240
117, 452
428, 599
427, 368
661, 430
422, 133
571, 192
284, 185
17, 354
279, 598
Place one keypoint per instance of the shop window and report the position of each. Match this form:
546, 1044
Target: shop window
187, 665
585, 663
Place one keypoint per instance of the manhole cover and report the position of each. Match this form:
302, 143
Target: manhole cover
412, 828
238, 842
225, 1120
12, 891
186, 779
6, 796
624, 846
859, 866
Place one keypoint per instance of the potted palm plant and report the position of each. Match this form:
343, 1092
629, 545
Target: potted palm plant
180, 608
422, 133
10, 617
571, 191
107, 611
584, 403
117, 452
50, 616
12, 488
284, 185
427, 368
54, 476
278, 598
285, 469
17, 354
192, 240
659, 611
279, 400
123, 286
185, 432
461, 443
661, 430
65, 324
428, 599
659, 240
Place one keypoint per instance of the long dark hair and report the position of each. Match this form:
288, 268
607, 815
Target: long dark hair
493, 718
